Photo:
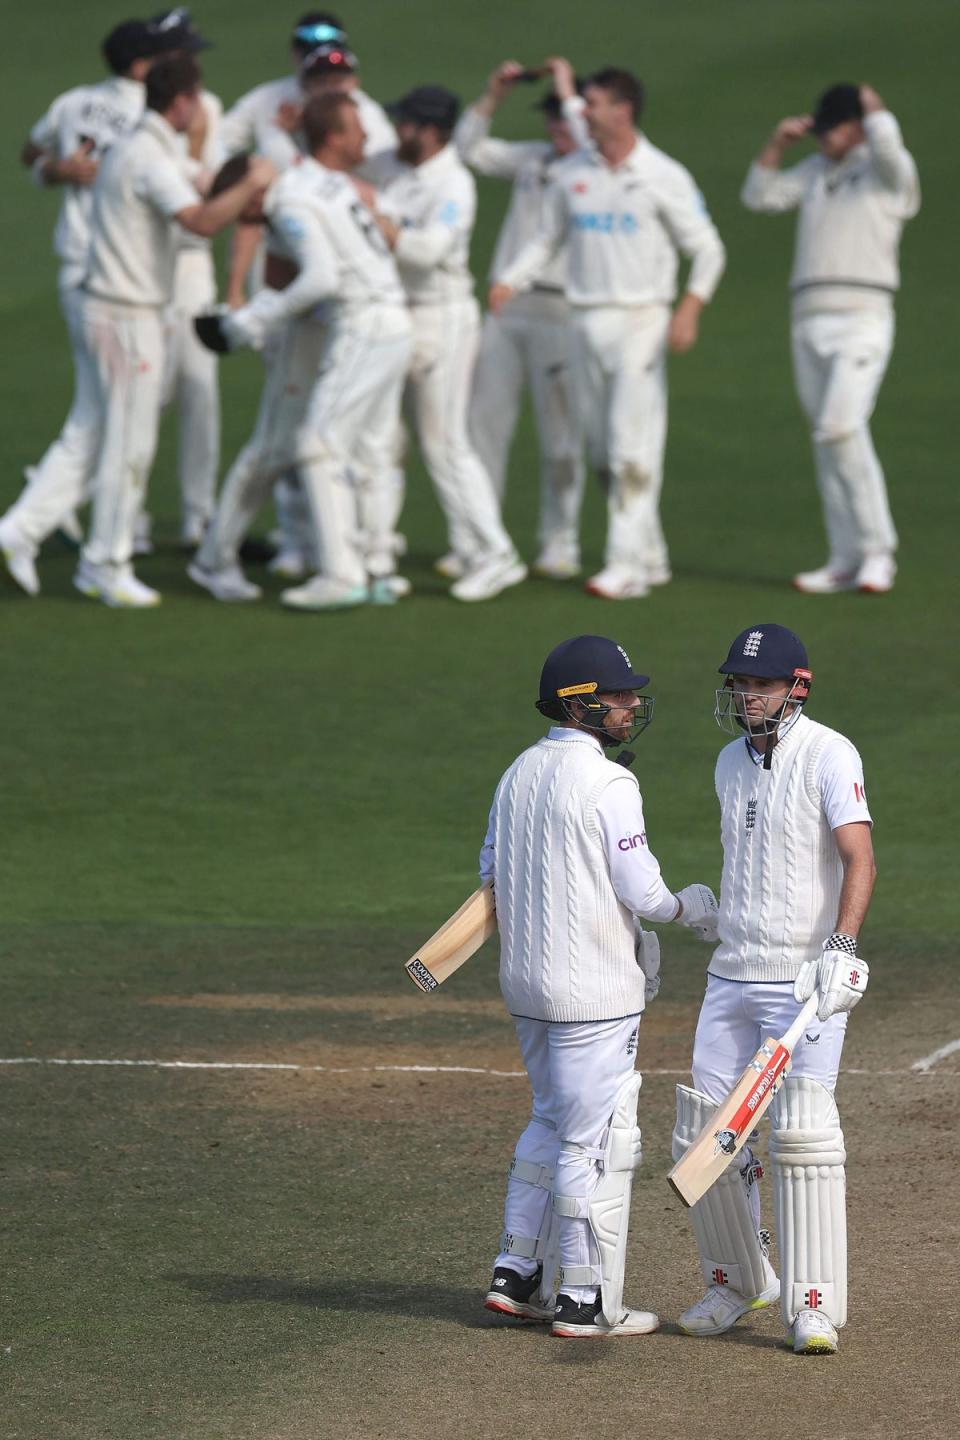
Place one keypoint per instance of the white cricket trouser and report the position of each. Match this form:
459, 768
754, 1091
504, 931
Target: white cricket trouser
576, 1071
191, 382
620, 377
62, 479
126, 344
735, 1019
445, 339
530, 344
839, 361
291, 365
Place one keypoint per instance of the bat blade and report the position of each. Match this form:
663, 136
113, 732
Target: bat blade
456, 940
734, 1119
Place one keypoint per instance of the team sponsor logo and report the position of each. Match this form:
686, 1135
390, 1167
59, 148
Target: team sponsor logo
605, 222
422, 976
751, 646
751, 814
630, 842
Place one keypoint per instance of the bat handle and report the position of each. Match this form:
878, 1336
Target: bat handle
807, 1014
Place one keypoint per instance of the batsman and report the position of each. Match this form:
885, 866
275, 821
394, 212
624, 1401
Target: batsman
567, 851
798, 874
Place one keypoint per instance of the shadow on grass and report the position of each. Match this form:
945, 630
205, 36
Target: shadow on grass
458, 1304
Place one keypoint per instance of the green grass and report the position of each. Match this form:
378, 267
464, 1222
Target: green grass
243, 802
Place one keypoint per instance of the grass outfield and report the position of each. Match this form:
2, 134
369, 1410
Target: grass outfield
225, 829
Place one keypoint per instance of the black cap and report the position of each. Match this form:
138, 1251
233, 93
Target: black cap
129, 41
588, 664
835, 106
427, 105
771, 652
328, 60
176, 31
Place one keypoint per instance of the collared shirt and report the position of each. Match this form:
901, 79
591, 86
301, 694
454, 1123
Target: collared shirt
634, 870
435, 204
530, 164
624, 226
141, 185
103, 114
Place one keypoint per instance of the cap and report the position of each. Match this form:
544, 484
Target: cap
327, 60
771, 652
586, 665
176, 31
551, 104
835, 106
427, 105
129, 41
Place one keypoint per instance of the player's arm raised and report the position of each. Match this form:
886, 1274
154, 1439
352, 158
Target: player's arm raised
208, 217
768, 190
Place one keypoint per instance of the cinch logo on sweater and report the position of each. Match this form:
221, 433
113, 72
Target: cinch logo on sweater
630, 842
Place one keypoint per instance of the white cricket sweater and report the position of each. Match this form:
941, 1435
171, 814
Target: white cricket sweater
851, 217
781, 868
566, 940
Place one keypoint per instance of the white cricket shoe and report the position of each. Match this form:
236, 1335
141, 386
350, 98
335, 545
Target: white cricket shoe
289, 564
721, 1308
323, 593
19, 556
451, 566
388, 589
617, 583
556, 565
828, 580
229, 584
876, 575
116, 586
573, 1321
490, 578
813, 1334
658, 574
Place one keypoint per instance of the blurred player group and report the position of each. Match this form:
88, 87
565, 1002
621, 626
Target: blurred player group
349, 273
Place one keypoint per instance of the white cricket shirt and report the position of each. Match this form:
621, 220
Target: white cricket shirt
624, 227
530, 164
140, 186
851, 218
435, 204
251, 123
103, 113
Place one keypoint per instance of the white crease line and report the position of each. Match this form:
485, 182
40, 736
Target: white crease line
929, 1061
920, 1068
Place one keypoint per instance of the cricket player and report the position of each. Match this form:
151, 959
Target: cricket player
529, 342
65, 148
624, 210
568, 852
341, 435
142, 192
798, 874
854, 197
426, 215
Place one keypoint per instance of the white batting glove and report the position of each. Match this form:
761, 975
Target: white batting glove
699, 911
647, 950
839, 976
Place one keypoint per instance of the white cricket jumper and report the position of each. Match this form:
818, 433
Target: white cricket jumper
782, 872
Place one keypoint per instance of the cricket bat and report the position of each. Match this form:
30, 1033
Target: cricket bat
735, 1117
456, 940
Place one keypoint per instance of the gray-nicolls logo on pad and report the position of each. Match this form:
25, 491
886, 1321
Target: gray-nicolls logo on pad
751, 646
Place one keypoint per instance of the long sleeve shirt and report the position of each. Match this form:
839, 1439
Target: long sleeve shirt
435, 204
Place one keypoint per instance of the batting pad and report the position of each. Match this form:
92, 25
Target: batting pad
723, 1222
809, 1196
529, 1187
607, 1210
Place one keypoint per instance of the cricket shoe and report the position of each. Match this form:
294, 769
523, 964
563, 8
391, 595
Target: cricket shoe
573, 1321
721, 1308
388, 589
876, 575
490, 578
514, 1294
116, 586
19, 556
617, 583
813, 1334
323, 593
658, 574
289, 564
828, 580
229, 584
451, 566
556, 565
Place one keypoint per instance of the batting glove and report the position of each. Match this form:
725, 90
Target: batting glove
838, 975
647, 950
699, 911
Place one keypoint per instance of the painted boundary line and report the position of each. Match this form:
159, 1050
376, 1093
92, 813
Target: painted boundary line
920, 1067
